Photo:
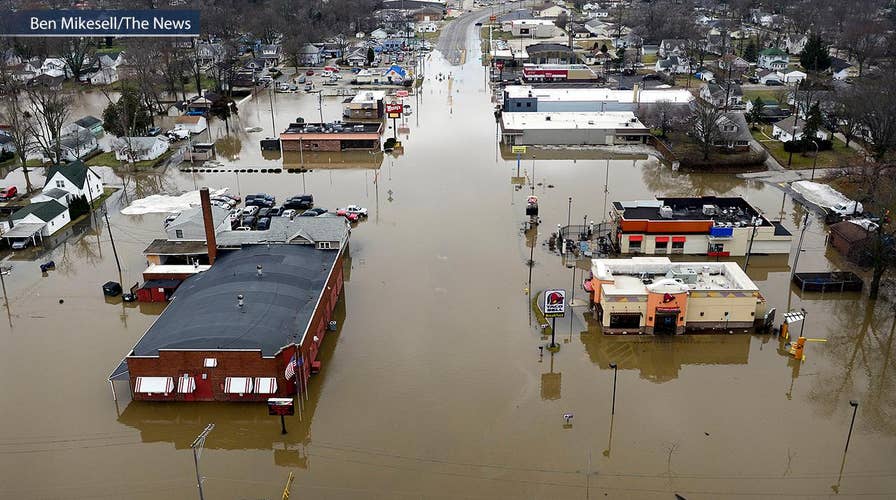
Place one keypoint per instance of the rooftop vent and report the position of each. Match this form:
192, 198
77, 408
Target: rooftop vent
709, 209
666, 212
239, 300
258, 270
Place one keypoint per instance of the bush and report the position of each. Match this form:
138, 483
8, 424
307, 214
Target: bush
6, 155
803, 146
78, 206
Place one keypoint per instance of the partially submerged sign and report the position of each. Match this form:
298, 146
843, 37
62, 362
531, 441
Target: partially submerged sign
518, 150
280, 406
554, 303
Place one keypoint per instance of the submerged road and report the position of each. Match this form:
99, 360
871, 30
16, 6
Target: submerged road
453, 39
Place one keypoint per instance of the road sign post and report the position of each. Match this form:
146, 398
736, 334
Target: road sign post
554, 307
281, 407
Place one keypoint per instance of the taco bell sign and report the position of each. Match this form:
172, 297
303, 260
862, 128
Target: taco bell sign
554, 303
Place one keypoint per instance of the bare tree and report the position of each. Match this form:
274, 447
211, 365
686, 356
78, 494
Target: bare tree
76, 53
864, 37
665, 116
704, 126
21, 125
51, 108
876, 101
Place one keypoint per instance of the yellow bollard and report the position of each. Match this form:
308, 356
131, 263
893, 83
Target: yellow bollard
797, 349
785, 331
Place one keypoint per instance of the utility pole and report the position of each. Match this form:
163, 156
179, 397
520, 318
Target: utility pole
197, 446
750, 248
271, 100
111, 238
799, 246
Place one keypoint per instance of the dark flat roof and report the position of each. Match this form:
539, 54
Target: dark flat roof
727, 210
204, 314
334, 128
175, 247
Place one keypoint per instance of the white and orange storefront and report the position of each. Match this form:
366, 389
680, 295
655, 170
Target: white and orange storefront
652, 295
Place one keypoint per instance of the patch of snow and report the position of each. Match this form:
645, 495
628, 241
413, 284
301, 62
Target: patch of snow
163, 203
824, 196
253, 129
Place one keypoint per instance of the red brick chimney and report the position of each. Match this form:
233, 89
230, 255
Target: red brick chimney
209, 224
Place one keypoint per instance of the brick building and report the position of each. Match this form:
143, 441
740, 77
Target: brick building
230, 332
332, 136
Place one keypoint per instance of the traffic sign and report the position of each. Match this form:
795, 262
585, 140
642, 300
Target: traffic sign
518, 150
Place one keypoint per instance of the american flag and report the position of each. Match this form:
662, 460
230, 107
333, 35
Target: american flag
291, 367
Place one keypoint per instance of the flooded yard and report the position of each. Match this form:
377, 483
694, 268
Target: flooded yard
433, 386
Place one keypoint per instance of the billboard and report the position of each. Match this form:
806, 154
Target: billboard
554, 303
280, 406
393, 110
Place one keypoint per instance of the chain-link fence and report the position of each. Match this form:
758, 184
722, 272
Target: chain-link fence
585, 241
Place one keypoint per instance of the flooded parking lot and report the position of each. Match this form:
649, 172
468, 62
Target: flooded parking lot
433, 386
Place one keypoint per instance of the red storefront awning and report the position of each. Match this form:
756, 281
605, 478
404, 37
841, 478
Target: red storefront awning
662, 239
635, 237
679, 239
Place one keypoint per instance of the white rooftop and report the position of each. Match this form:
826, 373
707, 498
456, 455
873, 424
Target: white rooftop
532, 22
369, 96
677, 96
638, 275
565, 120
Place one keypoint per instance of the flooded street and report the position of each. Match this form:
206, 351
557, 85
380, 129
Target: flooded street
433, 386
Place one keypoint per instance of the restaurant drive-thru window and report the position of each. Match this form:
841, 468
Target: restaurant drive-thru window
662, 244
634, 243
238, 385
154, 385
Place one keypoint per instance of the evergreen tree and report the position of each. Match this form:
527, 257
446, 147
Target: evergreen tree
128, 116
751, 54
813, 123
814, 56
370, 55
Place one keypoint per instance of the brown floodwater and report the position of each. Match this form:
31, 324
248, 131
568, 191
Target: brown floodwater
433, 386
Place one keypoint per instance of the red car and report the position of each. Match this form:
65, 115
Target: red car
8, 193
310, 72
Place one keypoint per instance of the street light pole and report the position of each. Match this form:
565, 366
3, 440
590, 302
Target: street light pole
855, 407
568, 215
197, 446
614, 367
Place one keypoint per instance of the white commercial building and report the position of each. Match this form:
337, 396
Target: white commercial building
604, 129
526, 98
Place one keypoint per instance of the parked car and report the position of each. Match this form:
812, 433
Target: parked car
651, 76
310, 72
753, 79
276, 211
263, 223
289, 213
250, 210
266, 80
261, 200
153, 131
309, 87
225, 201
313, 212
264, 212
301, 79
287, 87
177, 134
352, 209
9, 193
233, 197
249, 221
20, 244
773, 83
326, 73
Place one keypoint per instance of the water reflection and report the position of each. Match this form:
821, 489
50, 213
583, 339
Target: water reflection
663, 181
859, 348
660, 359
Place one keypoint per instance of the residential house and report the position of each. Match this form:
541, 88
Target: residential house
795, 42
706, 75
22, 72
628, 40
379, 34
139, 148
6, 144
841, 69
552, 11
429, 27
672, 47
332, 50
673, 64
734, 132
771, 110
255, 64
773, 58
310, 55
852, 239
789, 129
52, 194
597, 27
75, 178
736, 65
52, 215
176, 109
208, 53
78, 144
551, 53
723, 96
91, 123
195, 124
578, 30
428, 14
533, 28
55, 67
270, 54
105, 71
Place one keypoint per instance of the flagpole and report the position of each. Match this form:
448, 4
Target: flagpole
303, 376
295, 372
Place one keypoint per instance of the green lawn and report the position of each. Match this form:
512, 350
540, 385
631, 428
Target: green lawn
839, 156
649, 59
107, 159
775, 93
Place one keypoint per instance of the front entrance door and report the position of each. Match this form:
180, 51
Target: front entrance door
665, 324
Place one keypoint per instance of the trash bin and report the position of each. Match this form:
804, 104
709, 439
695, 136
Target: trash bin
112, 289
331, 326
